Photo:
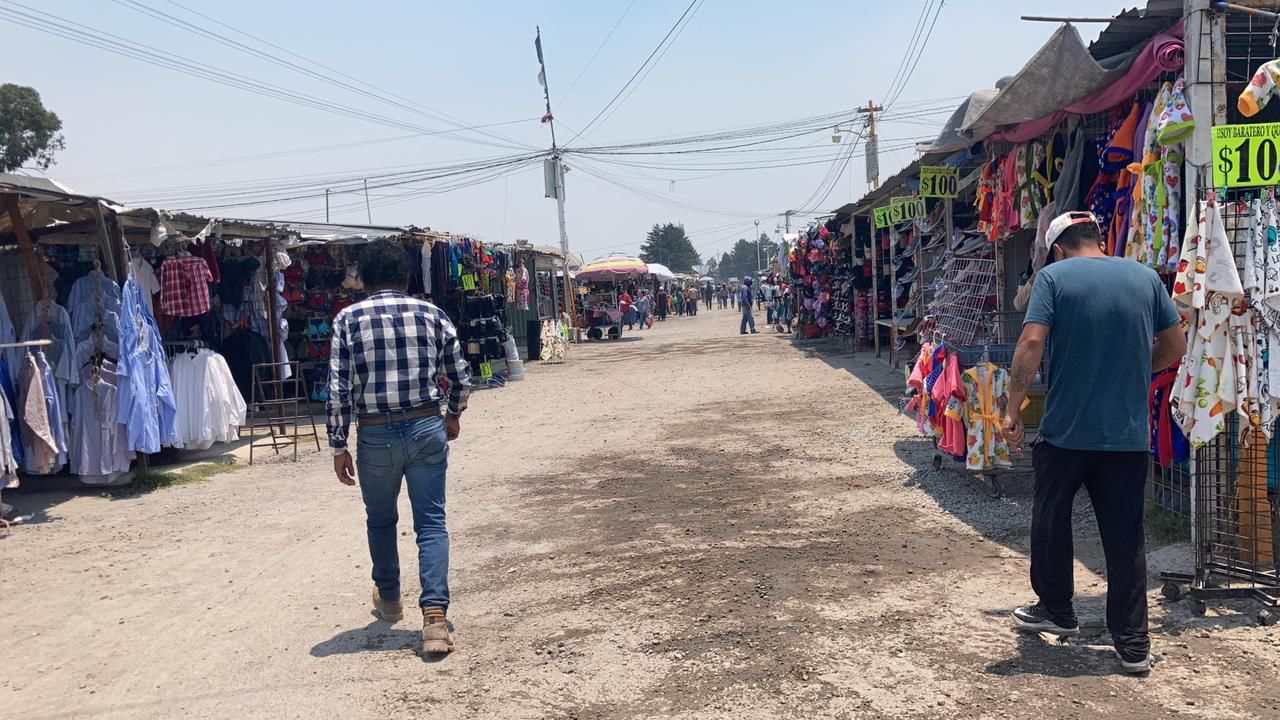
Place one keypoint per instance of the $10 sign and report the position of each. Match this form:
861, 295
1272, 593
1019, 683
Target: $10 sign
1246, 155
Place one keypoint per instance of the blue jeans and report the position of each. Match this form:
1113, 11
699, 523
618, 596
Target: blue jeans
418, 451
748, 317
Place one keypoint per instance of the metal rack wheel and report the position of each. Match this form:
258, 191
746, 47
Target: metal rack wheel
1267, 618
991, 484
1198, 607
1173, 591
937, 462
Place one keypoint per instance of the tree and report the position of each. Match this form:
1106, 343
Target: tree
669, 245
713, 268
28, 132
748, 257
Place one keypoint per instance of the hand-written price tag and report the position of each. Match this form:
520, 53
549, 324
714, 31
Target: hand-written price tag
938, 181
1246, 155
469, 281
486, 371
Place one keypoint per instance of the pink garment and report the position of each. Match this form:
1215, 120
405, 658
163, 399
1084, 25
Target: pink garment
921, 371
948, 392
1163, 54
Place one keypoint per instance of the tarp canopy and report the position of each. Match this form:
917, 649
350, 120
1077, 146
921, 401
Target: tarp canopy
1061, 72
613, 267
662, 272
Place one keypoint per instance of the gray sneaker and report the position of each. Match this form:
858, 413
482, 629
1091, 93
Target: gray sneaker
1037, 619
1135, 668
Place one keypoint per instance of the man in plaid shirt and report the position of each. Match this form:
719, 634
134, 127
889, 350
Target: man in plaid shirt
385, 357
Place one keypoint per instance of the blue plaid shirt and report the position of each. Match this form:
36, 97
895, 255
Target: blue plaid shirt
385, 355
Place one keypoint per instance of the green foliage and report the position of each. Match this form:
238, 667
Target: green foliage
713, 268
669, 245
747, 257
28, 132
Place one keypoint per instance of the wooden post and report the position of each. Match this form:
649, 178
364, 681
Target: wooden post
24, 244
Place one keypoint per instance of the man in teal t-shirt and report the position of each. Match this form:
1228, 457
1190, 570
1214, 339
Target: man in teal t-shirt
1094, 320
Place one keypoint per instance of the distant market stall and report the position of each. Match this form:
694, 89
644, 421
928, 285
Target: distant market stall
601, 283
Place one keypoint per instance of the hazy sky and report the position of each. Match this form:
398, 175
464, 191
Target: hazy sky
136, 132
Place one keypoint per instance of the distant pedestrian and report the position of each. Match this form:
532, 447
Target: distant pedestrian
785, 311
733, 299
744, 300
663, 305
628, 310
643, 307
722, 297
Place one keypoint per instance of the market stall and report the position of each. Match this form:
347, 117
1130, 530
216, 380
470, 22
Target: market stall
601, 283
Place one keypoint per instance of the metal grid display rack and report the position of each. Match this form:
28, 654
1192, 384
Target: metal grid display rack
1234, 499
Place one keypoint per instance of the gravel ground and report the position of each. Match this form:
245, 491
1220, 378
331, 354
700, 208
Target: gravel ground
686, 523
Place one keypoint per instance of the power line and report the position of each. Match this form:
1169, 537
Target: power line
218, 162
636, 73
919, 54
909, 50
564, 98
653, 65
82, 34
404, 102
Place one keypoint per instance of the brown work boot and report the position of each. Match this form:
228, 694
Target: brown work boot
436, 638
389, 610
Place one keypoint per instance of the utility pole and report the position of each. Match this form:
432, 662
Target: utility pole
326, 204
787, 219
367, 207
555, 176
759, 266
873, 143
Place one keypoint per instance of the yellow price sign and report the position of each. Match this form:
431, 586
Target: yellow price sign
939, 181
486, 371
898, 211
1246, 155
469, 281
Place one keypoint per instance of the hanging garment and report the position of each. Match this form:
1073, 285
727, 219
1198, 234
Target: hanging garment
1262, 285
1260, 89
428, 280
522, 288
1214, 379
919, 403
9, 389
91, 297
145, 403
8, 336
210, 407
40, 447
50, 321
1168, 445
147, 280
99, 442
948, 393
986, 390
184, 285
8, 461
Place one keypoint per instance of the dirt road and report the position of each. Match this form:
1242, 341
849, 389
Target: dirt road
686, 523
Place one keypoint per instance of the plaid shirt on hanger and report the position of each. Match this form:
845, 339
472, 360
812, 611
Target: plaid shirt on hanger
385, 356
184, 285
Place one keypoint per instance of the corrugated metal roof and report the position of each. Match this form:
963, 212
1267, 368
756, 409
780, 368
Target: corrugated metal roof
1135, 26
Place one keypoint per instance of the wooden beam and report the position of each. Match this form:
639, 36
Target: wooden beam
24, 243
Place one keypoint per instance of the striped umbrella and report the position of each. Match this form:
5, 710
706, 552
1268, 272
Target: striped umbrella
613, 267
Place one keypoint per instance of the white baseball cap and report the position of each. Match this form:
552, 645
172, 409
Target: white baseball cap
1060, 225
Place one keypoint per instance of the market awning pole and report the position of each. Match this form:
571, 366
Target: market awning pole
24, 244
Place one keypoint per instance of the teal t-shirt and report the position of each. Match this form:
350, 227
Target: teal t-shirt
1103, 315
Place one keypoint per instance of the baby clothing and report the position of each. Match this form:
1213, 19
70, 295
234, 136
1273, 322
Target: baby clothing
1260, 89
